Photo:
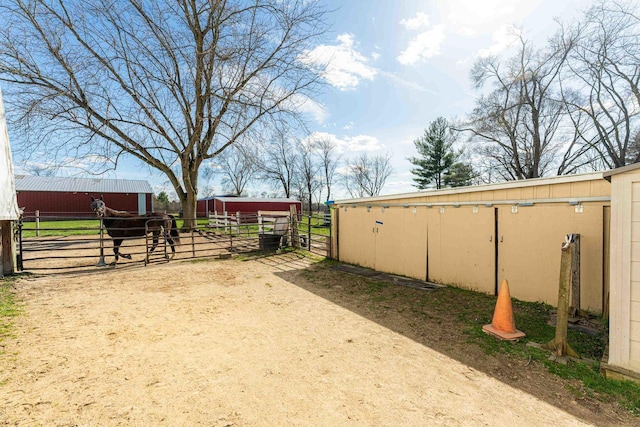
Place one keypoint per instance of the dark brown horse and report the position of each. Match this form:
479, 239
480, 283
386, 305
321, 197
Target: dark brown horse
121, 224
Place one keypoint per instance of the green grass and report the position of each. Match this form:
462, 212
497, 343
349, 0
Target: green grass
88, 227
85, 227
9, 308
316, 225
252, 230
532, 318
472, 310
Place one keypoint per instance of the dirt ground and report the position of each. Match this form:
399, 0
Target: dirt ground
254, 343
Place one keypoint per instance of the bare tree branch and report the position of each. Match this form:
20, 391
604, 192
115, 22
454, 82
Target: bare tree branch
171, 83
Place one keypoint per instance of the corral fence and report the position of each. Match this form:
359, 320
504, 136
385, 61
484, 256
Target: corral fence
310, 230
49, 242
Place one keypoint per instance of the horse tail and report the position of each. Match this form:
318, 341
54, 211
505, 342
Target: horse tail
175, 235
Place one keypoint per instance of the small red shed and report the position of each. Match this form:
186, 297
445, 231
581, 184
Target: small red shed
71, 197
246, 205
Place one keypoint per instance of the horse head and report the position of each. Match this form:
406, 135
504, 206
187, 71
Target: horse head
98, 206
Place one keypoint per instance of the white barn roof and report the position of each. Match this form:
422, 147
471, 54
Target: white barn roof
8, 202
80, 185
254, 200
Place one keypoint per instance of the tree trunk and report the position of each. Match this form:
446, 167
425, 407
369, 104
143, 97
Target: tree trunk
189, 209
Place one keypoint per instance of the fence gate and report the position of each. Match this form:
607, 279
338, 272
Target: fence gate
314, 232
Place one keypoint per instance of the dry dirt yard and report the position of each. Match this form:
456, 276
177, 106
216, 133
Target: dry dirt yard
253, 343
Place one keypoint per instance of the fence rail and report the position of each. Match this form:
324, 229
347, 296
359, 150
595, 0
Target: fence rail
58, 242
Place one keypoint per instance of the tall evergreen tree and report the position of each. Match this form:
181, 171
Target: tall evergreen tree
437, 154
460, 174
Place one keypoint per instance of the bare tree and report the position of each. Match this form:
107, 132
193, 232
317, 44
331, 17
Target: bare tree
307, 176
278, 162
601, 80
517, 123
326, 151
171, 83
236, 166
365, 176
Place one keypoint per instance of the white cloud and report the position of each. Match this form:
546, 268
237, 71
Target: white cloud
309, 106
472, 17
421, 20
363, 143
347, 143
424, 46
317, 136
502, 39
341, 65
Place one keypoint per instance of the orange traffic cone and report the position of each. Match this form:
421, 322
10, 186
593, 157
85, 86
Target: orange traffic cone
503, 325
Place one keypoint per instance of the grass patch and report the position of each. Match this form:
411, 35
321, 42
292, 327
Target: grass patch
532, 318
9, 308
81, 227
471, 310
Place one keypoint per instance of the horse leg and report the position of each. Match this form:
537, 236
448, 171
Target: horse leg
116, 250
155, 240
173, 247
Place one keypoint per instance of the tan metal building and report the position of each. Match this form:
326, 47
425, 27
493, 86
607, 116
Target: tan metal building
473, 237
624, 319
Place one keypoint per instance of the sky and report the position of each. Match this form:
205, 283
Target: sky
396, 65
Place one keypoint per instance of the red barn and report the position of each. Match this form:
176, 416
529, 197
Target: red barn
71, 197
246, 205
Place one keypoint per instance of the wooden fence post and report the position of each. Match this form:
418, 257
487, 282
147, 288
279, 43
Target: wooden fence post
7, 246
295, 239
559, 344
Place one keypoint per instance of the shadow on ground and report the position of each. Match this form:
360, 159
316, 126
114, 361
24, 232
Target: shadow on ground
438, 317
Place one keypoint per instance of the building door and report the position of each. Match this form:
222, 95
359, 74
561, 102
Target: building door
401, 240
356, 234
462, 247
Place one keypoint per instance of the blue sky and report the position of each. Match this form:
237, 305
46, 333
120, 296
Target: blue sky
395, 66
398, 65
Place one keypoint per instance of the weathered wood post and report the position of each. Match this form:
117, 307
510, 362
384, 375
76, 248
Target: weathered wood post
7, 245
559, 344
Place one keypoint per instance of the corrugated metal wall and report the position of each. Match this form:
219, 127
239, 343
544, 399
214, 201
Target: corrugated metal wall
215, 205
231, 207
474, 239
75, 204
624, 320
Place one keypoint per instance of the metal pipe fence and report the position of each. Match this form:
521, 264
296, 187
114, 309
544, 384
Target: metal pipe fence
63, 242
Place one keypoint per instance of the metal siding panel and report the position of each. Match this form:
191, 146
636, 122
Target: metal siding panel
201, 208
142, 204
462, 247
407, 257
356, 229
529, 254
80, 185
